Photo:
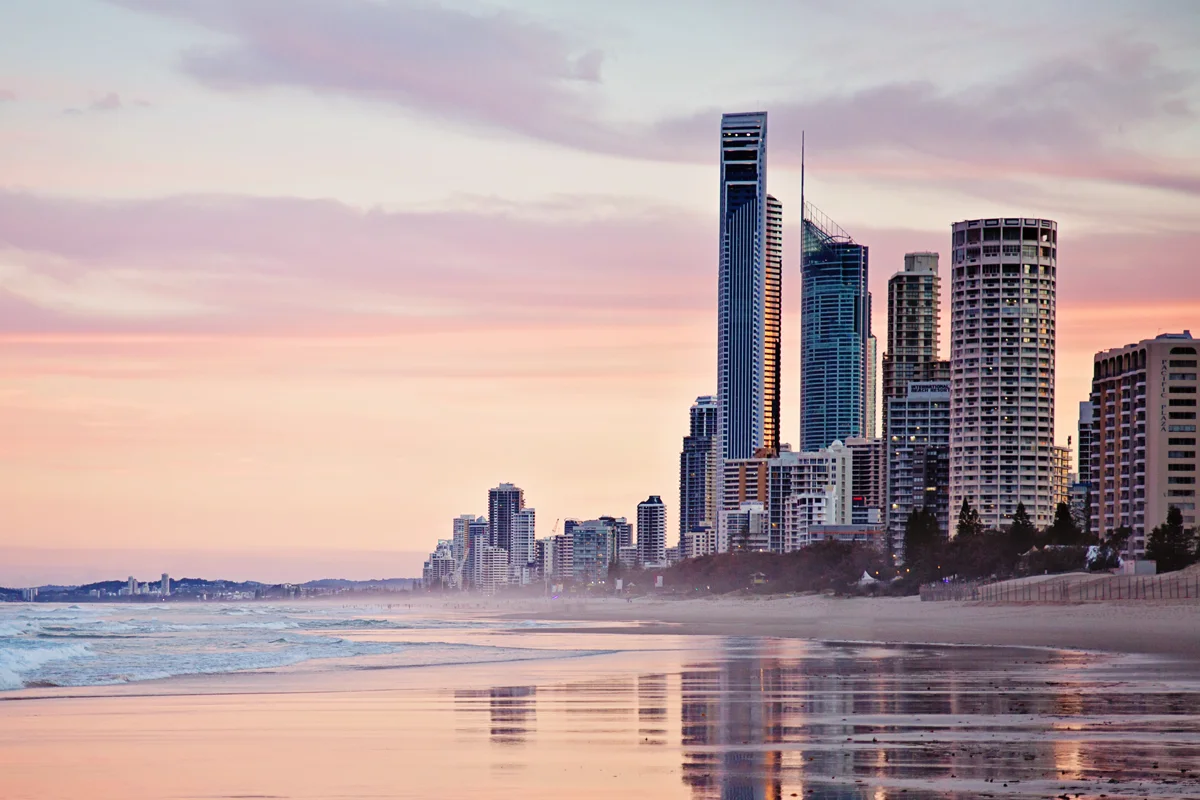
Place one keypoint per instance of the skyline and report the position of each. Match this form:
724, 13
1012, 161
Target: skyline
287, 337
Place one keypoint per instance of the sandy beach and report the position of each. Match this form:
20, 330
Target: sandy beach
689, 700
1148, 627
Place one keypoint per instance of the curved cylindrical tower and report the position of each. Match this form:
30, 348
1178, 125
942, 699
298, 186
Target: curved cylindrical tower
1002, 339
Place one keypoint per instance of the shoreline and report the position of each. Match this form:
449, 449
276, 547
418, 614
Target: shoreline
1159, 628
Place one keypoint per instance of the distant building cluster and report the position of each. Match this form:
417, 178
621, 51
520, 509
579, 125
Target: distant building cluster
486, 554
975, 428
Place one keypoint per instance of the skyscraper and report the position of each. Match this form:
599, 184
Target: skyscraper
871, 394
1084, 440
503, 502
773, 325
918, 457
742, 307
698, 468
652, 531
835, 323
1002, 340
1144, 447
523, 549
913, 312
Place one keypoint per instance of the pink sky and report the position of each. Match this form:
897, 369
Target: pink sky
309, 277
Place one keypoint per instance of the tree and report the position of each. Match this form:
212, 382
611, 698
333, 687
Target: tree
1170, 544
1064, 530
922, 544
1022, 532
1108, 555
969, 523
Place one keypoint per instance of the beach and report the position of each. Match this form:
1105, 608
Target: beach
498, 700
1170, 628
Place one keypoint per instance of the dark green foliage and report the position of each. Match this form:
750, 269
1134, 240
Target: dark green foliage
1022, 533
969, 523
1064, 530
1172, 545
819, 567
1055, 559
1108, 555
922, 545
983, 555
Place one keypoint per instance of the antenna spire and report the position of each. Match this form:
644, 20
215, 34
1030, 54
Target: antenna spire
801, 176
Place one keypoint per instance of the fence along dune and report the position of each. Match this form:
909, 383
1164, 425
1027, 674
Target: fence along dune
1073, 588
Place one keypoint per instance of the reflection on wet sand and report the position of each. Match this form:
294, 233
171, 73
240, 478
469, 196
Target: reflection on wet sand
511, 709
857, 722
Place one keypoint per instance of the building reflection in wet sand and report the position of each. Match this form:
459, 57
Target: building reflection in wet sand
772, 720
511, 709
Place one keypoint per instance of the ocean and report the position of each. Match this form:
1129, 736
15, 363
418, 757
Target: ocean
44, 646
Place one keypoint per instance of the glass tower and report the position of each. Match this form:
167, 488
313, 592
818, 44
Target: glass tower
742, 312
698, 468
835, 324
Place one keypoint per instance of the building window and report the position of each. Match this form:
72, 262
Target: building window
1181, 454
1181, 428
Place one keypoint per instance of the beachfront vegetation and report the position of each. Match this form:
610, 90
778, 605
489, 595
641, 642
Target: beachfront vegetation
825, 566
1173, 546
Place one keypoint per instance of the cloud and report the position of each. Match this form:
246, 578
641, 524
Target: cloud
230, 263
497, 70
249, 265
1066, 116
107, 103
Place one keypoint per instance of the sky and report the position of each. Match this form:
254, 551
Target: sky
286, 285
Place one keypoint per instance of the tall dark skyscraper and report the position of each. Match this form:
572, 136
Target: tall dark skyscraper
698, 468
835, 323
773, 324
748, 292
503, 503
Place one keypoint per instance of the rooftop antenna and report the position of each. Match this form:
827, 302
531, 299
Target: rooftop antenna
801, 176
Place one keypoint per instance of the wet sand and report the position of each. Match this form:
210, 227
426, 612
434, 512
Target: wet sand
1151, 627
694, 717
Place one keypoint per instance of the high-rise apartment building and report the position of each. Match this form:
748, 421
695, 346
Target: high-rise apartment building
918, 455
503, 502
913, 313
1002, 334
746, 528
461, 536
652, 531
742, 287
868, 487
1081, 489
523, 549
871, 403
1144, 449
822, 481
835, 324
1060, 460
698, 468
1084, 442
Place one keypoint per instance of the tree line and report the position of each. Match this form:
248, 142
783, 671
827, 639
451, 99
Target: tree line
975, 552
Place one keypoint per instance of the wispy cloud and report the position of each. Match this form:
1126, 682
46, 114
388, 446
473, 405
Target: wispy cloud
1065, 116
233, 264
108, 103
495, 69
248, 264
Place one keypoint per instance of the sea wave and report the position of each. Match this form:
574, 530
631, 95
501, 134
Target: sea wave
21, 657
107, 644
